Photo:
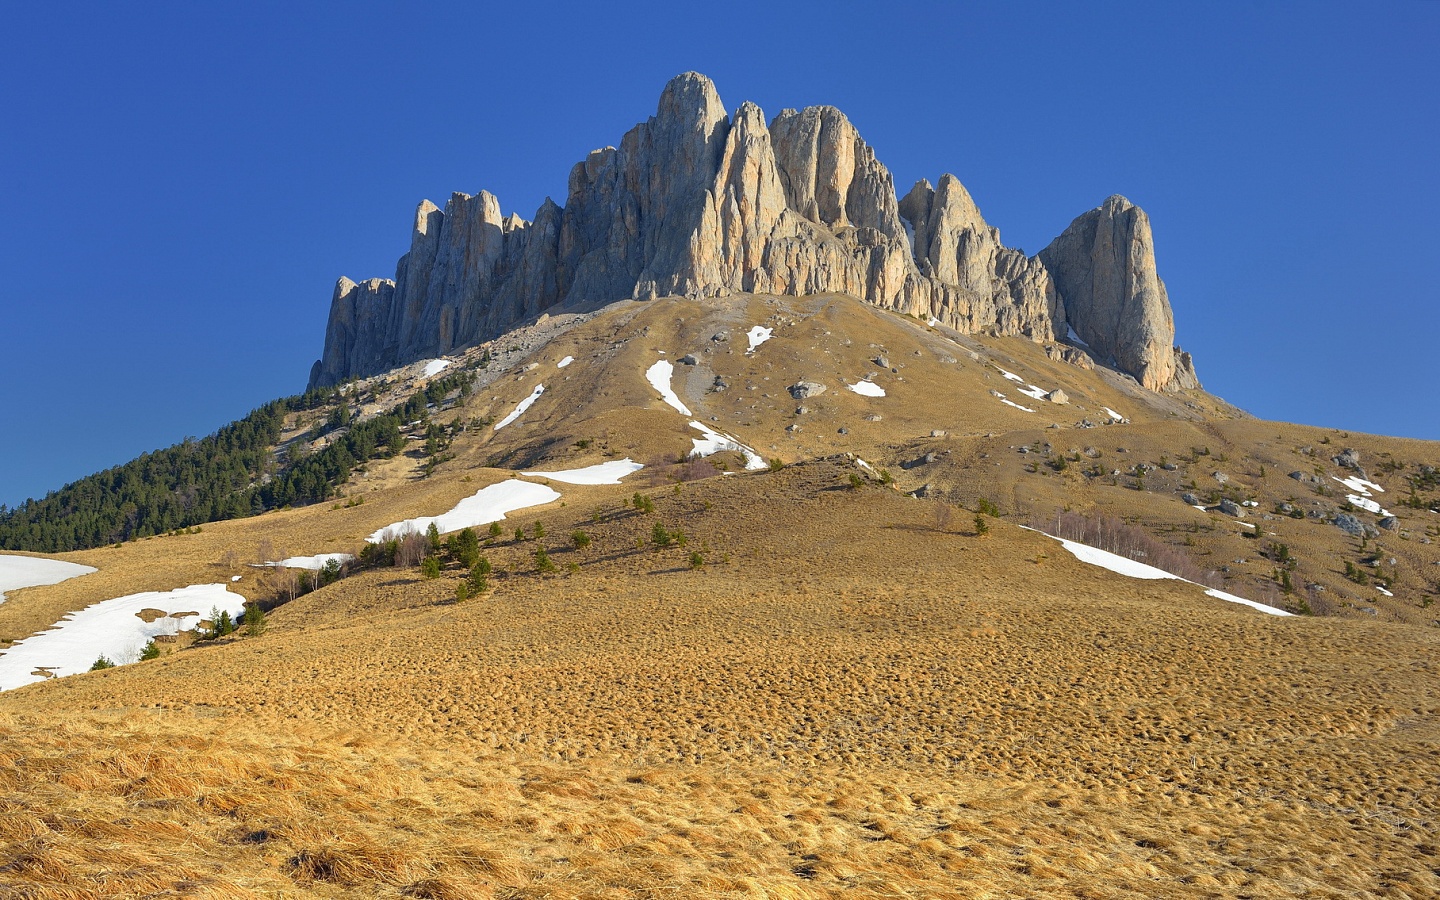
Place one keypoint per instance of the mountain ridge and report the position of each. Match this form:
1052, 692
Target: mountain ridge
694, 202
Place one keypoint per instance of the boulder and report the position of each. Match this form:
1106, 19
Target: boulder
1058, 396
804, 390
1231, 508
1349, 524
1389, 523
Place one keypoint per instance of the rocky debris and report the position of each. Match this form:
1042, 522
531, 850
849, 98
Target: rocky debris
1389, 523
1072, 355
688, 360
916, 463
1349, 524
793, 429
874, 417
718, 384
1103, 266
842, 430
922, 491
720, 337
1058, 396
882, 361
1348, 458
694, 202
1190, 499
804, 390
937, 433
1231, 508
1221, 477
1169, 466
1304, 478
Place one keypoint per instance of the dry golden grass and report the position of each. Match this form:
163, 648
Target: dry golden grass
852, 697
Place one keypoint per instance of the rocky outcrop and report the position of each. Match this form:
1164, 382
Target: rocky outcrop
697, 203
1104, 269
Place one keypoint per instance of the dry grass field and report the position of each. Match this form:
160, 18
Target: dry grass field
853, 694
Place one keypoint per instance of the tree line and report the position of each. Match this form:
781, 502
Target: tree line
238, 471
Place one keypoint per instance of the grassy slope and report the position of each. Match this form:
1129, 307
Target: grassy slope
854, 696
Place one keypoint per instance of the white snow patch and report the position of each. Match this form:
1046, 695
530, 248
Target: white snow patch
1367, 504
234, 578
1014, 404
1111, 413
1011, 375
523, 405
1359, 485
757, 336
1201, 508
113, 629
18, 572
485, 506
715, 441
435, 367
1073, 337
864, 464
1383, 591
933, 322
313, 563
1125, 566
1033, 392
564, 362
659, 377
605, 473
867, 389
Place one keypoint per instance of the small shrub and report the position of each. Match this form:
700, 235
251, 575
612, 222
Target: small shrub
856, 482
981, 527
580, 539
543, 563
696, 560
776, 464
539, 530
254, 620
432, 537
150, 651
495, 529
519, 534
462, 592
660, 537
430, 567
101, 662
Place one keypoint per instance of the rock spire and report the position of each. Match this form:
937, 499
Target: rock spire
698, 203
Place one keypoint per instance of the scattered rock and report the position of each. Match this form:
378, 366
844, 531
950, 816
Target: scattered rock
1390, 523
882, 361
1349, 458
1231, 508
1072, 355
874, 417
1221, 477
1058, 396
805, 389
922, 491
688, 360
720, 337
793, 429
1169, 466
843, 431
937, 433
1349, 524
1190, 499
801, 410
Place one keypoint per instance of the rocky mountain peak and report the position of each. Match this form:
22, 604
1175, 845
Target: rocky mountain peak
695, 202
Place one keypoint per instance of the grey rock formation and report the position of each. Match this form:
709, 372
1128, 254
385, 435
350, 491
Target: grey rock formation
1058, 396
804, 390
697, 203
1104, 269
1231, 508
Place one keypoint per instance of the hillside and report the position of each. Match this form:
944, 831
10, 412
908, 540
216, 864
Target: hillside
834, 683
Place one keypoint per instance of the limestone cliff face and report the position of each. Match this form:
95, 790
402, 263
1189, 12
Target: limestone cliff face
1104, 267
698, 203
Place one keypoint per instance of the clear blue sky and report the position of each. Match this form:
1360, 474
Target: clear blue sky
180, 184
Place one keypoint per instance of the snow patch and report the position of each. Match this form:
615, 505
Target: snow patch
1001, 398
1383, 591
605, 473
1073, 337
757, 336
435, 367
1367, 504
933, 322
867, 389
1111, 413
1011, 375
1359, 485
1123, 565
113, 629
523, 405
714, 442
659, 377
564, 362
485, 506
18, 572
313, 563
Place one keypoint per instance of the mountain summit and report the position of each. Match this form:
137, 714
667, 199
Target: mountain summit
698, 203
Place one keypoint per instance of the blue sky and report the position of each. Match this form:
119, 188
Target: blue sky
181, 184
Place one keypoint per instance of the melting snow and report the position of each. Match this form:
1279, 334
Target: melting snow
18, 572
1359, 485
435, 367
485, 506
1129, 567
313, 563
1014, 404
715, 441
1011, 375
524, 405
1111, 413
758, 335
113, 629
659, 377
1073, 337
605, 473
933, 322
867, 389
1383, 591
1029, 390
1367, 504
564, 362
